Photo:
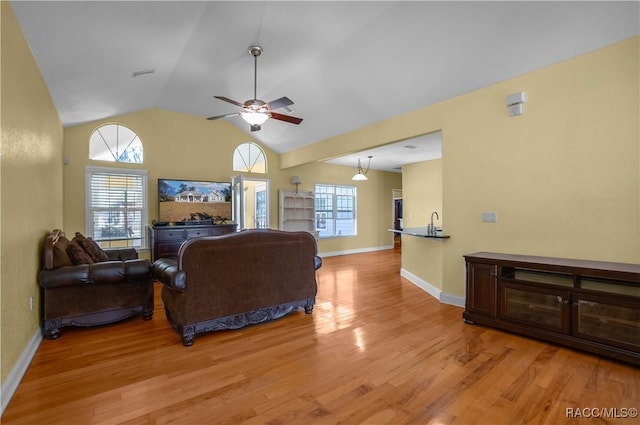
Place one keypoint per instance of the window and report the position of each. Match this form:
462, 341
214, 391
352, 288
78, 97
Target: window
335, 210
115, 143
249, 157
116, 207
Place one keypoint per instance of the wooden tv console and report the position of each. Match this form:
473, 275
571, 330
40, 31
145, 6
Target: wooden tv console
587, 305
166, 240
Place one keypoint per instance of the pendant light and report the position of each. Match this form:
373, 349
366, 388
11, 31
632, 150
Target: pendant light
362, 174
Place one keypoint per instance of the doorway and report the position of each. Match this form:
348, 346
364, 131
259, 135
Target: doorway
250, 202
397, 224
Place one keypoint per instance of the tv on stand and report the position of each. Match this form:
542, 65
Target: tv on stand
193, 202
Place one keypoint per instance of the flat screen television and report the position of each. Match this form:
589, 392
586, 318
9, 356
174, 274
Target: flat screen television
191, 201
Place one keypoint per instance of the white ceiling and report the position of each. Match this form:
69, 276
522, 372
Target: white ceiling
391, 157
344, 64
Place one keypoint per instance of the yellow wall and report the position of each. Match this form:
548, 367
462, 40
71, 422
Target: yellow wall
563, 177
422, 195
375, 203
184, 146
31, 186
175, 145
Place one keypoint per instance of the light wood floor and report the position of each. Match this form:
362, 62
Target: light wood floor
376, 350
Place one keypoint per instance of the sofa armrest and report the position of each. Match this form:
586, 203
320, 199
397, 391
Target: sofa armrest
167, 272
317, 262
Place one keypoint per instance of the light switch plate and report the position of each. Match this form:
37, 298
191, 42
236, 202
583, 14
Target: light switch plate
489, 217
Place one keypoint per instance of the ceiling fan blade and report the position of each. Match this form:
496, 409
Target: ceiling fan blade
224, 116
287, 118
226, 99
255, 128
280, 103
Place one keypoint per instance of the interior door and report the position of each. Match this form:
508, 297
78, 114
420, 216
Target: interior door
250, 202
261, 205
237, 206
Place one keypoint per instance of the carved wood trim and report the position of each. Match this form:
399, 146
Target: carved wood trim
240, 320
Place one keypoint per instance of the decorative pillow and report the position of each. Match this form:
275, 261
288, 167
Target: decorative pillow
60, 256
77, 254
92, 248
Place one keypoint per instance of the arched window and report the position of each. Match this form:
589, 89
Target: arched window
115, 143
250, 158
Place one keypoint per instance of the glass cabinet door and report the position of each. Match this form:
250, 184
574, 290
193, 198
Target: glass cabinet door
540, 307
612, 322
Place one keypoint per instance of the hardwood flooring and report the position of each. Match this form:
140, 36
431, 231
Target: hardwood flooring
376, 350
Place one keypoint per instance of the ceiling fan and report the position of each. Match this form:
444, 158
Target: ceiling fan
256, 111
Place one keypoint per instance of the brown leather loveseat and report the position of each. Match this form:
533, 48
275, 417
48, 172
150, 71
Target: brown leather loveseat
238, 279
86, 286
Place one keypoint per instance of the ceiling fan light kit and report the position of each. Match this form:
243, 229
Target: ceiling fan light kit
257, 112
255, 118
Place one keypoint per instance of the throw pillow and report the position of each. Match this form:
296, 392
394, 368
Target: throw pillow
92, 248
77, 254
60, 256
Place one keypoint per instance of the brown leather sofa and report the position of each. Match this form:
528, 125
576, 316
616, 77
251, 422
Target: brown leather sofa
238, 279
117, 286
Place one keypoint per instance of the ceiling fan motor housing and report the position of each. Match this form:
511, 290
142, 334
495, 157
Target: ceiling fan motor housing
256, 105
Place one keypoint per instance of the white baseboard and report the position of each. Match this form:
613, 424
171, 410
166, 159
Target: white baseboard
10, 385
420, 283
452, 299
435, 292
354, 251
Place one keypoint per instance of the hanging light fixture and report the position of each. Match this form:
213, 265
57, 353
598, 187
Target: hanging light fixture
362, 174
255, 118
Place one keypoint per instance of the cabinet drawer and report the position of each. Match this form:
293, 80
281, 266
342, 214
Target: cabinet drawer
167, 250
170, 235
221, 231
194, 233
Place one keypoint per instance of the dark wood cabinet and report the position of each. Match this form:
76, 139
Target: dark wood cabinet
607, 320
545, 308
588, 305
481, 289
166, 240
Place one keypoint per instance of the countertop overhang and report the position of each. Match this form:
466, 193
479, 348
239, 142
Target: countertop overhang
421, 232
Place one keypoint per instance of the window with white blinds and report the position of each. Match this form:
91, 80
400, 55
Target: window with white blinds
116, 207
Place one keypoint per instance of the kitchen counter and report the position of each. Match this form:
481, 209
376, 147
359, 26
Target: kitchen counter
420, 232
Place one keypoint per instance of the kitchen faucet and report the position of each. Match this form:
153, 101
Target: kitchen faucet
432, 229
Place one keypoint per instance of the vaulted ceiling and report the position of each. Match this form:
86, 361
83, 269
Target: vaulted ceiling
344, 64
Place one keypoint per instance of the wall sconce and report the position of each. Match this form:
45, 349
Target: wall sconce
362, 174
296, 180
514, 103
